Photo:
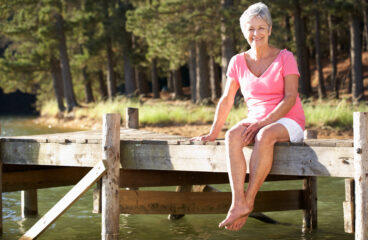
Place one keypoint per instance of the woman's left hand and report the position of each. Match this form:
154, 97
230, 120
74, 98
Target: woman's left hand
251, 130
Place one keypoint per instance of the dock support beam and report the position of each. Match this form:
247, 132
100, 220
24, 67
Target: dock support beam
310, 194
361, 174
29, 203
110, 182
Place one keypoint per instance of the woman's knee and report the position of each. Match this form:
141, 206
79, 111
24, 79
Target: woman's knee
265, 136
233, 136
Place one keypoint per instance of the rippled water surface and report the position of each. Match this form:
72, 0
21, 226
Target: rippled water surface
79, 223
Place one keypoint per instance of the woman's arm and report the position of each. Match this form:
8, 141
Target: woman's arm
291, 93
222, 110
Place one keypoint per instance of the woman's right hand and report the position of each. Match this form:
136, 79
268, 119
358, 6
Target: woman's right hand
205, 138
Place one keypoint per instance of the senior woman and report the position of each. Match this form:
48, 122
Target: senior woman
268, 79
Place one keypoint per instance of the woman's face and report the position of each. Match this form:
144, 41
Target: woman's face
257, 32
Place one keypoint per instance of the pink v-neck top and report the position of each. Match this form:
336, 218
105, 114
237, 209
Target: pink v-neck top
262, 94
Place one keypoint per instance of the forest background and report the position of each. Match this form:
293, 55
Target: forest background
83, 58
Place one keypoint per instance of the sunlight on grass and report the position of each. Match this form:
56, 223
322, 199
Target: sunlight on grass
321, 113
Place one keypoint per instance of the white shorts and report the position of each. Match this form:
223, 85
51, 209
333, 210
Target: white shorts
295, 131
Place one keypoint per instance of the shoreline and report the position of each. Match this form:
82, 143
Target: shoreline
187, 130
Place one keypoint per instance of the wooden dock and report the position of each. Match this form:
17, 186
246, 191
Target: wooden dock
120, 158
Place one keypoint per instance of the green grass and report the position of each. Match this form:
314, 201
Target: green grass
332, 113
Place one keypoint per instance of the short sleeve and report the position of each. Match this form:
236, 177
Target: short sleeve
289, 64
232, 71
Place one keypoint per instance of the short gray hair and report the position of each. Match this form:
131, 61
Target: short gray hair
256, 10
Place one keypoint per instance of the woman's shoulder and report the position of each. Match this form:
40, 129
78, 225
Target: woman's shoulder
286, 53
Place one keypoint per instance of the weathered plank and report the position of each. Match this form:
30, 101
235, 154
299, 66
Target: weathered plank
361, 174
56, 154
289, 160
29, 205
348, 205
292, 160
110, 182
155, 178
42, 178
160, 202
61, 206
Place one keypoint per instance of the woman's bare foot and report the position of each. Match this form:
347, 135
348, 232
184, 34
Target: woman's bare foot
238, 224
238, 214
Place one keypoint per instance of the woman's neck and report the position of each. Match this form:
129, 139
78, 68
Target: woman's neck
260, 52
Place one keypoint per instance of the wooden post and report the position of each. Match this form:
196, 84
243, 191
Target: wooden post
348, 205
132, 121
110, 182
310, 194
132, 118
361, 174
29, 203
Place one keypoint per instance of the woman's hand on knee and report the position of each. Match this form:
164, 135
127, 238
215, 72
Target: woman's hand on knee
250, 132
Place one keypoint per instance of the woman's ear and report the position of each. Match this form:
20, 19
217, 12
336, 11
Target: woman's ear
269, 34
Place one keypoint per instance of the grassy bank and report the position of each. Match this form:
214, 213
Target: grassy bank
332, 113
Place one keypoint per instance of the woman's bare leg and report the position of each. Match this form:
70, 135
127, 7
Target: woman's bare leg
260, 166
237, 169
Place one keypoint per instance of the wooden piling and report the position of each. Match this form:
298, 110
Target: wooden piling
348, 206
310, 194
361, 174
110, 182
132, 118
29, 203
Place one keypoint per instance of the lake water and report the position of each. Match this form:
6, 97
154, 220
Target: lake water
79, 223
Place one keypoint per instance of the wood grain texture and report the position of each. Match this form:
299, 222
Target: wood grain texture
161, 202
361, 174
288, 160
42, 178
349, 206
110, 182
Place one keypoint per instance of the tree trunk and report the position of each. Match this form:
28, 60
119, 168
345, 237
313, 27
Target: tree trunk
170, 82
356, 58
130, 85
228, 43
333, 54
57, 83
192, 71
64, 65
203, 91
102, 85
155, 83
365, 18
177, 81
306, 57
141, 80
288, 35
321, 84
87, 86
215, 81
111, 82
300, 48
